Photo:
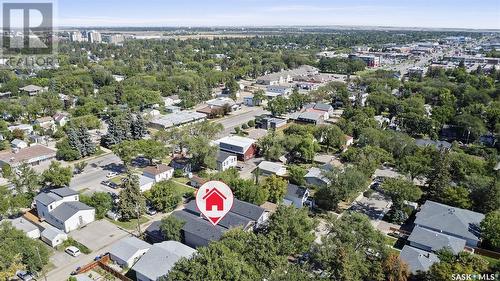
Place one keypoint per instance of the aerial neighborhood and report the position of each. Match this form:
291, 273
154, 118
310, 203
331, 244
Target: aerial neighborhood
351, 154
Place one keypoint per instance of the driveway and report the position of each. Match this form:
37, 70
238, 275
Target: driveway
375, 207
98, 234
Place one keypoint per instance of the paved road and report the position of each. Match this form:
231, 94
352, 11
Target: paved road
240, 117
95, 172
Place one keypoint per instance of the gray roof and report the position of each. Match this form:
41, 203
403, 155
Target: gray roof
178, 118
51, 233
47, 198
295, 191
161, 257
68, 209
450, 220
417, 260
437, 144
317, 173
23, 224
322, 106
199, 226
127, 247
17, 142
63, 192
435, 240
271, 167
222, 156
311, 116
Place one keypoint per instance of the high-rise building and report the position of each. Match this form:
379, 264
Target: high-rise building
76, 36
94, 37
115, 39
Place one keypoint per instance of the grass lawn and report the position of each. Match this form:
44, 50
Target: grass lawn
117, 179
491, 261
129, 225
182, 189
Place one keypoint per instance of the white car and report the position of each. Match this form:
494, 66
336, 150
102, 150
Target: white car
73, 251
111, 174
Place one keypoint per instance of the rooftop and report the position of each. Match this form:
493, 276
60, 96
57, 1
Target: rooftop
128, 247
23, 224
435, 240
295, 191
68, 209
417, 260
275, 168
31, 88
160, 258
28, 154
178, 118
237, 141
157, 169
455, 221
222, 156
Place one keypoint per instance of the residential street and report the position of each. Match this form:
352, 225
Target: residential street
95, 172
240, 117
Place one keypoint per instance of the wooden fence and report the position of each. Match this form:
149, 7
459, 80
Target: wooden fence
102, 263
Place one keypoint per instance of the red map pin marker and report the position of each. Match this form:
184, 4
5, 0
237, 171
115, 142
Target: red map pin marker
214, 199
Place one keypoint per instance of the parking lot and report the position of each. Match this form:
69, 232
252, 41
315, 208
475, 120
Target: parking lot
98, 234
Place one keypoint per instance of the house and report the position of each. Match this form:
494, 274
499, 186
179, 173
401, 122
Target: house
348, 142
417, 260
53, 236
270, 168
432, 241
251, 101
151, 113
320, 107
171, 100
177, 119
452, 221
197, 231
32, 90
386, 173
296, 196
160, 172
173, 109
30, 229
316, 177
32, 155
281, 90
196, 181
27, 129
160, 259
244, 148
226, 160
18, 144
60, 119
68, 101
310, 117
437, 144
181, 163
46, 123
272, 123
62, 209
127, 251
145, 183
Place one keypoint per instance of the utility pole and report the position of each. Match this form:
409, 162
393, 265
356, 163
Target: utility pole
138, 219
40, 259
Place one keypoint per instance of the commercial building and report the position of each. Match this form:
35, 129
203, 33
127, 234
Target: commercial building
244, 148
370, 60
177, 119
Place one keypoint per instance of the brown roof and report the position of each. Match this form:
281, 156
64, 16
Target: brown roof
28, 154
270, 207
158, 169
206, 110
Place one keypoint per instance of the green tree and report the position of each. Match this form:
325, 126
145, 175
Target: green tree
57, 175
101, 201
395, 269
464, 262
456, 196
291, 230
276, 187
132, 203
164, 196
331, 136
490, 229
296, 175
401, 190
171, 228
439, 176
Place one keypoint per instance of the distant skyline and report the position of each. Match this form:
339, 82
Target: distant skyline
483, 14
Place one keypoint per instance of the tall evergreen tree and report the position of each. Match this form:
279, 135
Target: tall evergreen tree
138, 127
132, 203
439, 176
74, 141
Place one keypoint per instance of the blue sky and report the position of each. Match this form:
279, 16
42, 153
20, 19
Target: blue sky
404, 13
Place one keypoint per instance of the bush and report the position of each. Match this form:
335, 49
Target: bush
178, 173
251, 123
368, 193
244, 126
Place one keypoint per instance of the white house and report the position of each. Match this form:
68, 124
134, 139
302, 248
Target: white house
271, 168
19, 144
160, 172
296, 196
60, 119
145, 183
127, 251
30, 229
171, 100
62, 209
53, 236
226, 160
26, 128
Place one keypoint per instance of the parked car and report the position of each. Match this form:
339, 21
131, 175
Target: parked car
113, 215
150, 211
73, 251
25, 275
112, 174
